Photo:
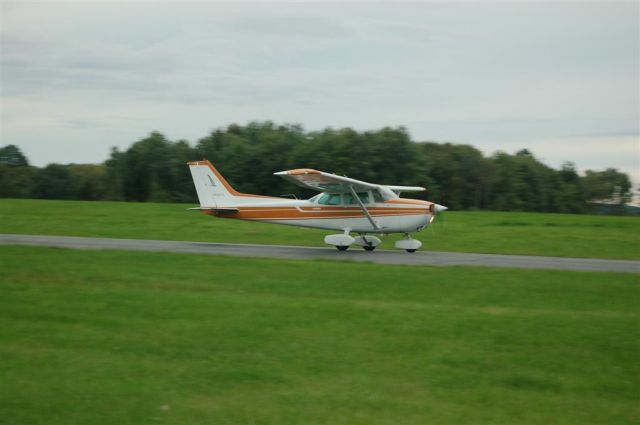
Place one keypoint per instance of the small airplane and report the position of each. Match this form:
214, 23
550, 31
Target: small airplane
344, 204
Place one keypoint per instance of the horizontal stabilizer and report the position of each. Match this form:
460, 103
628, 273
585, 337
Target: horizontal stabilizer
227, 210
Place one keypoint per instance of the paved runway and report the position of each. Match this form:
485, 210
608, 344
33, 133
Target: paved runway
420, 258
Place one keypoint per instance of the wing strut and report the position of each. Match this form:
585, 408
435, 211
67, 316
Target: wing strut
364, 209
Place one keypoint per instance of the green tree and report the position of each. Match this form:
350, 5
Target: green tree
459, 176
572, 195
609, 185
152, 169
16, 182
88, 181
16, 176
12, 156
456, 175
54, 181
114, 176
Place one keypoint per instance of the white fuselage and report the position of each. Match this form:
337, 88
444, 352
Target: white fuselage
390, 217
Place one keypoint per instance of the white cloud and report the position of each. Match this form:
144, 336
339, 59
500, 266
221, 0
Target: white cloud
78, 78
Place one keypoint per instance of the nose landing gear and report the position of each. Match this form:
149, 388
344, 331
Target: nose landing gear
408, 244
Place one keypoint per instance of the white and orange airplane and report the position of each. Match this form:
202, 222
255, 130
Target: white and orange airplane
344, 204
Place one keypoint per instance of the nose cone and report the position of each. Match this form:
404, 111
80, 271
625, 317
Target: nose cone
440, 208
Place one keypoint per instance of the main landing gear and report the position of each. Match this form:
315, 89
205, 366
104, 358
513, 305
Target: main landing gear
369, 243
341, 241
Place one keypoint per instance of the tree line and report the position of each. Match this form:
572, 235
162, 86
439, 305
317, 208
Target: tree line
459, 176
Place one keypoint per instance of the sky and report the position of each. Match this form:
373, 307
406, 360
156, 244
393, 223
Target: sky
558, 78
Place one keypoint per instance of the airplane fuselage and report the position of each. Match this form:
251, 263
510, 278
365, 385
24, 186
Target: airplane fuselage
392, 216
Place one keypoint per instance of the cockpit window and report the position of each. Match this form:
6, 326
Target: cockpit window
364, 197
329, 199
350, 200
347, 198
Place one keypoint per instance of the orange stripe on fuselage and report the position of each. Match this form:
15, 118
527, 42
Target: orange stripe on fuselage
303, 213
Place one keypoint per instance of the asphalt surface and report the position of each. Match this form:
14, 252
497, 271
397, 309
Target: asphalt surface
420, 258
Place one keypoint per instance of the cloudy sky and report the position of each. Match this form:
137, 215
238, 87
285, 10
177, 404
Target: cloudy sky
558, 78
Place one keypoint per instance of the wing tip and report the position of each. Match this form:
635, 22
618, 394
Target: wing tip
204, 161
407, 188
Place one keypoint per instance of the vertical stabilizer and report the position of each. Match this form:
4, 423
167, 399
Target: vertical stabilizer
213, 190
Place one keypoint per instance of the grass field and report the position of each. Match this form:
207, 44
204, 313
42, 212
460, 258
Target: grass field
110, 337
489, 232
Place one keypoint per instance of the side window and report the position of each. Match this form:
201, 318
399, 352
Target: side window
329, 199
377, 197
364, 197
334, 199
348, 198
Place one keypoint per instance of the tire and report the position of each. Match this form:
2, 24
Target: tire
342, 247
411, 250
369, 248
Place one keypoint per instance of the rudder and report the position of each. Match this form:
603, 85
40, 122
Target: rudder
213, 190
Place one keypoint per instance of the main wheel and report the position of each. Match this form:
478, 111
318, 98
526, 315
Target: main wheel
342, 247
369, 248
411, 250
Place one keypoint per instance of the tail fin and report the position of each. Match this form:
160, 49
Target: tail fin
213, 190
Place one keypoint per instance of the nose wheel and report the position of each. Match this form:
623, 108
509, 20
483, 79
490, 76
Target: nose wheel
408, 244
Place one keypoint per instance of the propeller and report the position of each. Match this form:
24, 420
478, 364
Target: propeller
437, 210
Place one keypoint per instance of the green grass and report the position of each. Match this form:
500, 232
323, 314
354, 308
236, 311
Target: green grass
489, 232
106, 337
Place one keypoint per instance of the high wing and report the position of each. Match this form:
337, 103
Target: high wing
323, 182
327, 182
399, 189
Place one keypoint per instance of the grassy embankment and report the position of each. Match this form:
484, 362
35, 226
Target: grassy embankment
136, 338
488, 232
